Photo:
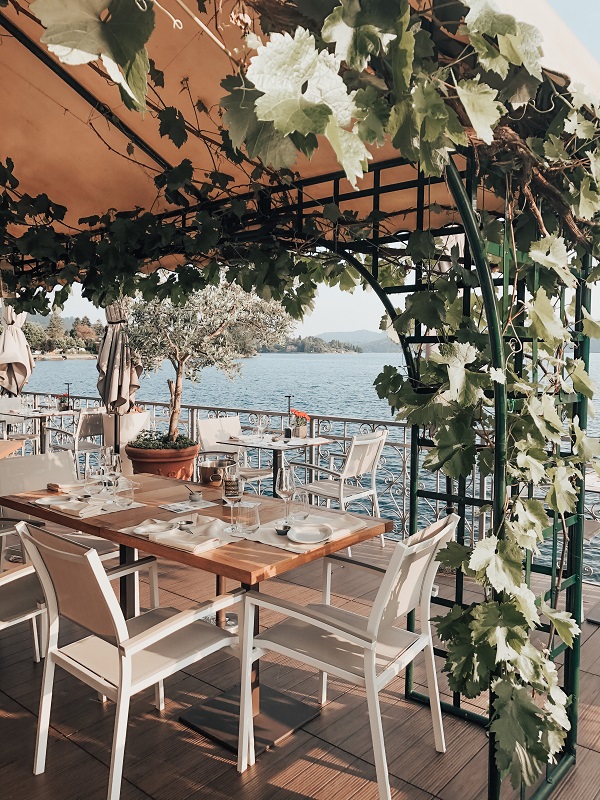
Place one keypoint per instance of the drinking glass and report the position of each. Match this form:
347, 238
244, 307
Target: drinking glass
124, 492
233, 490
93, 483
300, 507
248, 519
262, 423
285, 485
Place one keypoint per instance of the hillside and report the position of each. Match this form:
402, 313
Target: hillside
368, 341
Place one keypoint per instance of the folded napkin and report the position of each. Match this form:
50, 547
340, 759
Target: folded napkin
65, 488
84, 509
204, 535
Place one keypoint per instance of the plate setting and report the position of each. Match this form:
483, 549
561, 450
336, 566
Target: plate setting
313, 534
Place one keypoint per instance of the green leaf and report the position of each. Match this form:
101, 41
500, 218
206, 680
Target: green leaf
581, 379
455, 451
523, 48
355, 34
403, 130
545, 324
482, 106
591, 328
402, 51
464, 386
545, 417
585, 447
587, 200
350, 151
425, 307
485, 17
373, 114
551, 252
455, 556
554, 149
172, 124
562, 495
501, 562
527, 523
502, 626
565, 625
490, 57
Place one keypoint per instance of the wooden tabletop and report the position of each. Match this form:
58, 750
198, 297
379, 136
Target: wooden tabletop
243, 561
9, 446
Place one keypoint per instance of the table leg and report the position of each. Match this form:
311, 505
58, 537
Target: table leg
276, 465
43, 423
127, 584
221, 588
276, 715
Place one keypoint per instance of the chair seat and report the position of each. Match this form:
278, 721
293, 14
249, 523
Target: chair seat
312, 643
19, 597
331, 489
255, 473
169, 654
82, 446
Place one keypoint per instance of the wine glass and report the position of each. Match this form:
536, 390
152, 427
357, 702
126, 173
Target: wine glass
233, 490
262, 423
285, 485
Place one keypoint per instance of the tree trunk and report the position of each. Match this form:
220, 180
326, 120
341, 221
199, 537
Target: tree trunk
176, 388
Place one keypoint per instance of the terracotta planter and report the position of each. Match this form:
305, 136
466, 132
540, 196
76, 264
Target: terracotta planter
169, 463
300, 432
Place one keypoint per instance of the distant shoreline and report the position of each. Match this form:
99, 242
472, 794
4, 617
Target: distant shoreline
66, 357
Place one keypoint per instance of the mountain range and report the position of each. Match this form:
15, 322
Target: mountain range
368, 341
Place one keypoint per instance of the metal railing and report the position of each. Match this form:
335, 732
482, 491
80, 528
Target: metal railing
392, 474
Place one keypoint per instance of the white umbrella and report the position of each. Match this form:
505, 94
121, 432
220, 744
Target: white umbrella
119, 377
16, 361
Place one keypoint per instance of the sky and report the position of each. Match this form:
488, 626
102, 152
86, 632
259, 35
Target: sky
340, 311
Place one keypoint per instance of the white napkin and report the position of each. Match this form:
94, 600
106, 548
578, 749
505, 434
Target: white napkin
81, 509
204, 535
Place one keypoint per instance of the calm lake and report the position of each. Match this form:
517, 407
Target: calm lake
327, 384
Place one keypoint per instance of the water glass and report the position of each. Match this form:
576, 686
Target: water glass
262, 423
300, 506
248, 519
124, 492
285, 486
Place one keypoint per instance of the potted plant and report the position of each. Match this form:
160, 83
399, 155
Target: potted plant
299, 423
214, 327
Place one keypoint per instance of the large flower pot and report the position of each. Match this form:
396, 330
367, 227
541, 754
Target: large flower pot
170, 463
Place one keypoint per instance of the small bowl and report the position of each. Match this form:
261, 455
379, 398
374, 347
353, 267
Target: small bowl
283, 531
196, 497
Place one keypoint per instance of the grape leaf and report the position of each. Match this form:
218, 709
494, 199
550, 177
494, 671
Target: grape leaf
482, 106
356, 38
591, 328
402, 51
373, 114
554, 149
545, 417
490, 57
500, 561
562, 495
485, 17
551, 252
585, 447
351, 152
523, 48
172, 124
581, 380
565, 625
545, 324
587, 200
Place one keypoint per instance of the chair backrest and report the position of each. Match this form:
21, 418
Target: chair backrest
75, 584
408, 580
89, 423
363, 454
28, 473
9, 404
212, 431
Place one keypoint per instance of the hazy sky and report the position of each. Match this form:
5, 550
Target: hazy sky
340, 311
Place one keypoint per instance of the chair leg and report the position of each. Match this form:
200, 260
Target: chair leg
434, 699
34, 639
381, 770
118, 747
43, 621
375, 505
41, 745
159, 696
246, 730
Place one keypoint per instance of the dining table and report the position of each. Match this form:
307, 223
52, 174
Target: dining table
277, 445
39, 416
242, 560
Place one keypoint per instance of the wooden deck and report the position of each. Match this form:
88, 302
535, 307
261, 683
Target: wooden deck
330, 758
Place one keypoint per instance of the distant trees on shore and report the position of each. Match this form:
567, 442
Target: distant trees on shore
63, 335
312, 344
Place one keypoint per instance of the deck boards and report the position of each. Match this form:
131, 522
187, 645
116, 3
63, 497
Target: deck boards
330, 759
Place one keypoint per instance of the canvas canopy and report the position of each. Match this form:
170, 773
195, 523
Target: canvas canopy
68, 132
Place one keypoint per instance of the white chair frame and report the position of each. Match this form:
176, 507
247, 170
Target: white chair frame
210, 431
24, 592
89, 423
351, 646
361, 459
114, 668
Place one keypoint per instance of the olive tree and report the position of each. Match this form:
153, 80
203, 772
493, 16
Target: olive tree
214, 327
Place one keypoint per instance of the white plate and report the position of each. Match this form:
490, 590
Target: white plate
313, 535
50, 501
159, 526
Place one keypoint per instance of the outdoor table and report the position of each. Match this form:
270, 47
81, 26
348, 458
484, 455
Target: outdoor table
278, 448
244, 561
37, 414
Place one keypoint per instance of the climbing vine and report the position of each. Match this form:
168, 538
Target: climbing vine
433, 78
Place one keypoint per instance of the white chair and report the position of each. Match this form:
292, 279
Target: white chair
218, 429
366, 651
120, 657
9, 422
344, 485
22, 600
88, 428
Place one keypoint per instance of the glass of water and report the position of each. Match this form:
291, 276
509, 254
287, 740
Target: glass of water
300, 506
248, 519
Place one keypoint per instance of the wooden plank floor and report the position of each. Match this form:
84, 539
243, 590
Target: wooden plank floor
330, 758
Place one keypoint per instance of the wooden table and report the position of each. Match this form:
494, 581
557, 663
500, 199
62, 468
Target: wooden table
243, 561
277, 447
40, 414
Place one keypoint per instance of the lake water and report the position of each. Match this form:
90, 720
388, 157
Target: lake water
327, 384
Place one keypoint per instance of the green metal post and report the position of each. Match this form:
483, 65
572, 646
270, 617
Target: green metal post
478, 253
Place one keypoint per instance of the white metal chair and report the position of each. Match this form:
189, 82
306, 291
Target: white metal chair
218, 429
88, 428
366, 651
120, 657
344, 485
9, 423
22, 600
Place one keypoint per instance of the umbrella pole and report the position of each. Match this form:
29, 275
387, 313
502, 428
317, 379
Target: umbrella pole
117, 435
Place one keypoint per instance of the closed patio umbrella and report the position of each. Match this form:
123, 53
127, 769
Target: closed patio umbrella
16, 361
119, 377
